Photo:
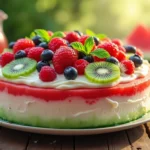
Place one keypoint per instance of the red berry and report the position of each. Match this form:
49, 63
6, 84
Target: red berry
80, 65
121, 56
35, 53
22, 44
127, 67
121, 48
47, 74
83, 39
139, 52
56, 43
110, 47
50, 33
27, 50
72, 37
6, 58
117, 42
64, 57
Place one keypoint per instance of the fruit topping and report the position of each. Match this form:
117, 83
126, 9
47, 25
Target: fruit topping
112, 60
56, 43
127, 67
6, 58
64, 57
41, 64
117, 42
19, 67
89, 58
44, 45
70, 73
20, 54
102, 72
11, 45
121, 56
35, 53
83, 38
80, 65
47, 55
22, 44
137, 60
130, 49
72, 37
47, 74
36, 39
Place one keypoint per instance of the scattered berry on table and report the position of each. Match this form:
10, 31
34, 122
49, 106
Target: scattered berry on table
47, 55
47, 74
112, 60
70, 73
41, 64
130, 49
44, 45
72, 37
22, 44
20, 54
11, 45
137, 60
56, 43
36, 39
6, 58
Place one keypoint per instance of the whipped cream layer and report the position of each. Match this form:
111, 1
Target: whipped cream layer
80, 82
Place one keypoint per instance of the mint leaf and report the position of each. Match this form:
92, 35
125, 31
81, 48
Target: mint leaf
100, 53
101, 36
89, 43
78, 46
32, 35
58, 34
43, 34
89, 32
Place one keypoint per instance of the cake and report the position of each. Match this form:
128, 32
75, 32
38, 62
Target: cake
70, 80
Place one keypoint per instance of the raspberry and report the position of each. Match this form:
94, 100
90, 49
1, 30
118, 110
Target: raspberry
117, 42
6, 58
35, 53
80, 65
83, 39
55, 43
110, 47
22, 44
121, 56
127, 67
47, 74
96, 59
64, 57
27, 50
72, 37
121, 48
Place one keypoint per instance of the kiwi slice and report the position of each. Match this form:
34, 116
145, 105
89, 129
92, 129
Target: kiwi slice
102, 72
19, 67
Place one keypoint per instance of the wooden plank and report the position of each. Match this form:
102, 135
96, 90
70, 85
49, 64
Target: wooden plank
50, 142
92, 142
138, 138
118, 141
13, 140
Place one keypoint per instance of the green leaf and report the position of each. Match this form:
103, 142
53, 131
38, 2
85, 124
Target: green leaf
78, 46
32, 34
100, 53
101, 36
89, 43
58, 34
89, 32
43, 34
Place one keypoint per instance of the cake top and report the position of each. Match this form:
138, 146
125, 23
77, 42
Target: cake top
62, 59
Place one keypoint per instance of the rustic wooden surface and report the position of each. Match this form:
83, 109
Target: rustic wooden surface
133, 139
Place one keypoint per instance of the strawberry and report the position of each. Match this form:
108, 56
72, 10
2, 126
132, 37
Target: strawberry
6, 58
22, 44
64, 57
121, 56
72, 37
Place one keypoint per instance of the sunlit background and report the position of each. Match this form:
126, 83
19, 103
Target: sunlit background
115, 18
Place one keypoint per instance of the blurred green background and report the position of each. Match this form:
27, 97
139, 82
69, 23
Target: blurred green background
115, 18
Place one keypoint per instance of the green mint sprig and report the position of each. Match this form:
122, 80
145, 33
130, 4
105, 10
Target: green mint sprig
87, 48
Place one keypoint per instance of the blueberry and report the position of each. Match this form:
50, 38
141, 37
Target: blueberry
11, 44
20, 54
88, 58
70, 73
136, 59
47, 55
44, 45
36, 40
79, 33
81, 55
130, 49
96, 40
41, 64
112, 60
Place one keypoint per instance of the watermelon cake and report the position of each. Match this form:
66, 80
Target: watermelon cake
73, 80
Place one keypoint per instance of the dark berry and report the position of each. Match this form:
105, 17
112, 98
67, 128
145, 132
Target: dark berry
20, 54
136, 59
70, 73
81, 55
36, 40
41, 64
88, 58
130, 49
80, 33
11, 44
112, 60
96, 40
47, 55
44, 45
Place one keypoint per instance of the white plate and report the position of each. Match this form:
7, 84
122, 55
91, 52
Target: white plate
91, 131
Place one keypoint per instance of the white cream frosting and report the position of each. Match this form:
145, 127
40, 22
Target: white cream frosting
80, 82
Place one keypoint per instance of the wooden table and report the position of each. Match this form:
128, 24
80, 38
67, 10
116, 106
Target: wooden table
133, 139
